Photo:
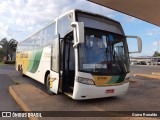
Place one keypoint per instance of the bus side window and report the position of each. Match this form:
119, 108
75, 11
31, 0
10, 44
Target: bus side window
26, 45
32, 43
49, 34
23, 46
29, 45
17, 48
37, 38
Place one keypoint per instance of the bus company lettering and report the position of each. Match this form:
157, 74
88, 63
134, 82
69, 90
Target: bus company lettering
24, 55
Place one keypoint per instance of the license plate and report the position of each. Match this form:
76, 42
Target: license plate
109, 91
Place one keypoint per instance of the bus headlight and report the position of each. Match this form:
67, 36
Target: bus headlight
85, 81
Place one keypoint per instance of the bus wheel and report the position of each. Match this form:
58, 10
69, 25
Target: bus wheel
21, 72
48, 85
19, 67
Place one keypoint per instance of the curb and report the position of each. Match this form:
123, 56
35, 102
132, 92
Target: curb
24, 107
148, 76
156, 73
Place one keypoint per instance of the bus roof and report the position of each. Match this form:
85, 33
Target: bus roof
96, 14
70, 11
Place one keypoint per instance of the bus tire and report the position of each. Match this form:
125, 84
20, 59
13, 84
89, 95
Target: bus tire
21, 72
48, 85
19, 67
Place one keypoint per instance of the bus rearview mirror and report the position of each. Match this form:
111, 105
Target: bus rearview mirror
78, 32
138, 44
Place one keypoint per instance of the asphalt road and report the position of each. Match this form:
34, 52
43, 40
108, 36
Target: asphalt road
143, 69
142, 94
6, 101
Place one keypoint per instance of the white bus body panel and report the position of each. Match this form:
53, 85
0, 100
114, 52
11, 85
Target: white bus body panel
43, 67
83, 91
55, 83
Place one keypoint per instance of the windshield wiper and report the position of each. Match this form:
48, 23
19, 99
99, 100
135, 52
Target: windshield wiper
122, 64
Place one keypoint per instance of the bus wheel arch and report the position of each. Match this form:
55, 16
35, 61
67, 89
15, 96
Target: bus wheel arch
21, 71
45, 77
19, 67
47, 84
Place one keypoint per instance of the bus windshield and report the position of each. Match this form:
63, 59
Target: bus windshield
103, 53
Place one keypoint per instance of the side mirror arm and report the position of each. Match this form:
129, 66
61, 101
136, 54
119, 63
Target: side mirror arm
78, 33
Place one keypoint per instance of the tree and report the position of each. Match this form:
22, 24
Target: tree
156, 54
9, 47
2, 54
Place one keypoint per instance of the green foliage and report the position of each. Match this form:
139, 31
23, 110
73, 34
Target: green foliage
1, 51
156, 54
8, 47
2, 54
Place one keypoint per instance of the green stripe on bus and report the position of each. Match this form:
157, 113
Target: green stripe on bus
121, 78
113, 80
34, 64
31, 61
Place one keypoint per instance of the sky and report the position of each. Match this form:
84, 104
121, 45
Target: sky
21, 18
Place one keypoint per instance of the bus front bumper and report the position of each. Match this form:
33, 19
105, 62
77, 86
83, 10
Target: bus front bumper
83, 91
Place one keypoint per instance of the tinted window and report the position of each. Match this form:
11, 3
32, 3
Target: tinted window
37, 38
49, 34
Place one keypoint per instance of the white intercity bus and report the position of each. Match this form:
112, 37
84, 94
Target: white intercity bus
81, 54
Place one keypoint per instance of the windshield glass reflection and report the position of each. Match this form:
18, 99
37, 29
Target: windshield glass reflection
103, 52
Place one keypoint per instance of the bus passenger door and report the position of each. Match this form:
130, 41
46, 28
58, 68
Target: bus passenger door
54, 72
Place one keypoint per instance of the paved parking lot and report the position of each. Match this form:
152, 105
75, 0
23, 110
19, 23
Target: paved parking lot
143, 95
7, 103
144, 69
140, 96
